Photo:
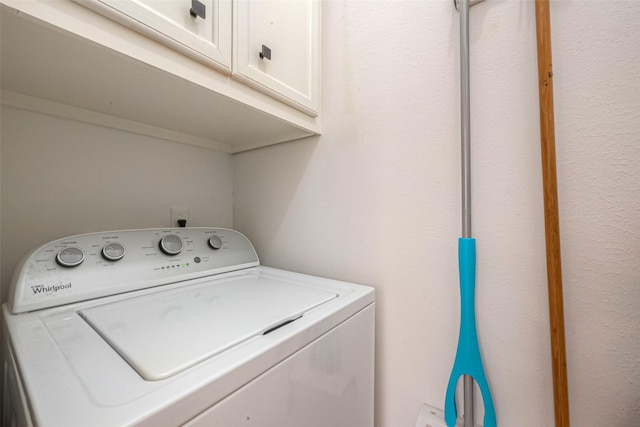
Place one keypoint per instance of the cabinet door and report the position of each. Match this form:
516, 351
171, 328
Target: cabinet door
171, 22
276, 49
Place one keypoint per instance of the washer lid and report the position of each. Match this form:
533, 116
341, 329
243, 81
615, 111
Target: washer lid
164, 333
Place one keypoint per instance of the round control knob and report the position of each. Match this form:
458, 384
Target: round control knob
215, 242
70, 257
171, 244
113, 251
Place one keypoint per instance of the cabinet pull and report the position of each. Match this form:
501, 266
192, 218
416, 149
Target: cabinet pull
197, 9
266, 53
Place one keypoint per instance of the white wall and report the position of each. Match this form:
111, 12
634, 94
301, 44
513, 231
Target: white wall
376, 198
61, 177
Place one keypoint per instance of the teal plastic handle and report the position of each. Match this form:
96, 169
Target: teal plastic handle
468, 360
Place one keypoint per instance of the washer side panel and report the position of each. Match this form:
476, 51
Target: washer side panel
328, 382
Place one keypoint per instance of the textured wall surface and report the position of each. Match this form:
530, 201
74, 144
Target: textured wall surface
376, 198
598, 133
61, 178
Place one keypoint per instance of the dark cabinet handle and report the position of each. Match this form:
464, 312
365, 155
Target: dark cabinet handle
198, 9
266, 53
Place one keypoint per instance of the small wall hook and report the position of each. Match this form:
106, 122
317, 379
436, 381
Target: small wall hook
471, 3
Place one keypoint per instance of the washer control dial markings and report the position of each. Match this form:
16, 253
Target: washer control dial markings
113, 251
171, 244
70, 257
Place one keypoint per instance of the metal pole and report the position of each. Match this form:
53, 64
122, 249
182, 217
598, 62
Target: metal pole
465, 115
465, 125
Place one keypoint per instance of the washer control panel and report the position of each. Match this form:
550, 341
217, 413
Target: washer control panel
95, 265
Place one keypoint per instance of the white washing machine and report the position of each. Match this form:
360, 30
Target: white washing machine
168, 327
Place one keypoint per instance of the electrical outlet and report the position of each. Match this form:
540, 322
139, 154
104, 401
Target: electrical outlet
176, 214
434, 417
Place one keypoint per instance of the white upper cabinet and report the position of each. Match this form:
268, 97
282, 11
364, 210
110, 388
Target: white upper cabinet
275, 42
152, 67
277, 49
200, 29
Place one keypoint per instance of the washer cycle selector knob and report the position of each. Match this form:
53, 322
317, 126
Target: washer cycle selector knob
113, 251
70, 257
171, 244
215, 242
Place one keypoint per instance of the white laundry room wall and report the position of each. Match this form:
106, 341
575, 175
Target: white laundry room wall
61, 177
376, 198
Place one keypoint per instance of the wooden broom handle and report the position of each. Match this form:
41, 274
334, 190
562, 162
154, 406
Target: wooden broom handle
552, 225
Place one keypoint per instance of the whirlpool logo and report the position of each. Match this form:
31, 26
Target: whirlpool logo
51, 289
